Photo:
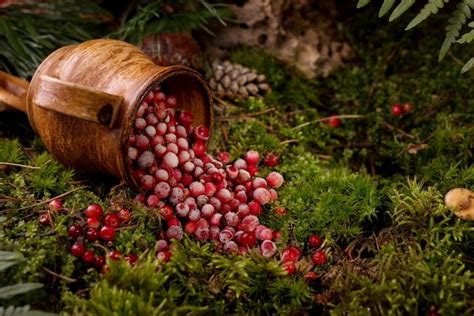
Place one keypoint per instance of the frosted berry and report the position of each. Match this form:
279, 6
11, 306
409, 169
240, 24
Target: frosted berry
88, 256
142, 142
174, 232
132, 153
162, 190
225, 235
223, 157
75, 231
250, 223
147, 182
146, 159
240, 164
275, 179
319, 257
94, 210
55, 205
252, 157
268, 248
314, 241
112, 219
107, 233
271, 160
140, 124
202, 234
248, 239
161, 245
166, 212
77, 249
124, 215
185, 118
163, 256
196, 189
231, 247
45, 219
261, 196
215, 219
255, 208
152, 200
170, 160
150, 131
397, 110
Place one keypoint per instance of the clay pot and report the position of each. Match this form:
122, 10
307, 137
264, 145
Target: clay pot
82, 100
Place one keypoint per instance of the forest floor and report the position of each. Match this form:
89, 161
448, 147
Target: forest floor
372, 188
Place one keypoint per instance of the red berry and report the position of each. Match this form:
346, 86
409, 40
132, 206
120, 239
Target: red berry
248, 239
93, 222
319, 257
190, 227
223, 157
271, 160
252, 157
152, 200
275, 179
77, 249
94, 210
268, 248
107, 233
55, 205
185, 118
149, 97
75, 231
407, 107
45, 219
131, 259
171, 101
289, 267
252, 169
276, 235
311, 276
261, 196
124, 215
280, 211
314, 241
92, 234
201, 132
113, 220
99, 262
290, 254
397, 110
334, 121
164, 256
115, 255
255, 208
199, 148
166, 212
88, 256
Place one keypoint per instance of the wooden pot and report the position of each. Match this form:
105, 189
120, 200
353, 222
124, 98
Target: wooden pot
82, 100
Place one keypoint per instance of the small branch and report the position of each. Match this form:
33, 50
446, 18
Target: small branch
289, 141
246, 116
324, 119
70, 280
393, 128
53, 198
17, 165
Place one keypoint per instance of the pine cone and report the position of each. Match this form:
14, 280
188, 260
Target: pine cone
236, 81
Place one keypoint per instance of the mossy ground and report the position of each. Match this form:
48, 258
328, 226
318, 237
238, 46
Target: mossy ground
373, 188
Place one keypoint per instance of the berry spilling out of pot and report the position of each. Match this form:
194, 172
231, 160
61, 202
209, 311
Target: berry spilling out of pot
212, 198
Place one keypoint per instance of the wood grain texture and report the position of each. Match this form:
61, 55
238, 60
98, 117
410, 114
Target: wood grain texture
13, 91
113, 68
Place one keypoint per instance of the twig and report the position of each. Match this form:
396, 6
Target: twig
68, 279
393, 128
246, 116
289, 141
346, 116
17, 165
53, 198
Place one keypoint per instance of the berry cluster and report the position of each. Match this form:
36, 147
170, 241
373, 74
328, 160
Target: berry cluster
92, 229
54, 206
400, 109
211, 198
291, 255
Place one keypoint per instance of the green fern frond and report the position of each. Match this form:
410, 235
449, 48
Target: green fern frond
401, 8
386, 6
468, 65
455, 23
467, 37
362, 3
432, 7
21, 311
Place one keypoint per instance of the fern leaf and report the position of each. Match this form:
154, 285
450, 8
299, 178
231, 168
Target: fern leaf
430, 8
457, 20
467, 66
386, 6
362, 3
400, 9
466, 38
20, 288
21, 311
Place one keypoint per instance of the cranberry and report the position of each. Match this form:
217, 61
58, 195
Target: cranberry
271, 160
93, 222
255, 208
55, 205
147, 182
397, 110
407, 107
275, 179
276, 235
231, 247
201, 132
146, 159
142, 142
124, 215
190, 227
252, 157
166, 212
94, 210
334, 121
289, 267
75, 231
199, 148
45, 219
131, 259
174, 232
185, 118
77, 249
248, 239
92, 234
311, 276
173, 222
252, 169
152, 200
268, 248
113, 220
115, 255
319, 257
140, 124
314, 241
171, 101
202, 234
164, 256
290, 254
261, 196
280, 211
99, 262
88, 256
223, 157
107, 233
149, 97
250, 223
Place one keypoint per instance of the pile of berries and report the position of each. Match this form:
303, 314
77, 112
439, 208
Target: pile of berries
211, 198
291, 255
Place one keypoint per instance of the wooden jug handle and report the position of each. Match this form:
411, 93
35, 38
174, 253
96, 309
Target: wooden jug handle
13, 91
77, 100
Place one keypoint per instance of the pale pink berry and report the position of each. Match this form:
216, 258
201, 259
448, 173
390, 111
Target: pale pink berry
174, 232
151, 119
231, 247
225, 236
214, 232
147, 182
259, 183
198, 162
210, 189
234, 204
173, 148
162, 175
176, 195
243, 176
171, 101
265, 234
142, 142
162, 190
214, 201
258, 230
170, 138
202, 234
202, 223
207, 210
224, 157
182, 209
268, 248
215, 219
250, 223
150, 131
197, 188
181, 131
224, 195
273, 195
198, 171
182, 143
239, 188
161, 128
161, 245
275, 179
240, 164
132, 153
241, 196
188, 167
160, 150
261, 196
194, 215
146, 159
170, 160
152, 200
237, 235
156, 140
201, 200
191, 202
141, 110
252, 157
243, 210
232, 172
232, 219
140, 124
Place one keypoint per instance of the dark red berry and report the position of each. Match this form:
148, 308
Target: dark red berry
248, 239
289, 267
397, 110
75, 231
112, 219
92, 234
131, 259
94, 210
93, 222
290, 254
45, 219
334, 121
271, 160
88, 256
115, 255
314, 241
185, 118
311, 276
107, 232
99, 262
55, 205
319, 257
78, 249
124, 215
167, 212
201, 132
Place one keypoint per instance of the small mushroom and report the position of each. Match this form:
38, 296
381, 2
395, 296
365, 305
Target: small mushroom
462, 200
